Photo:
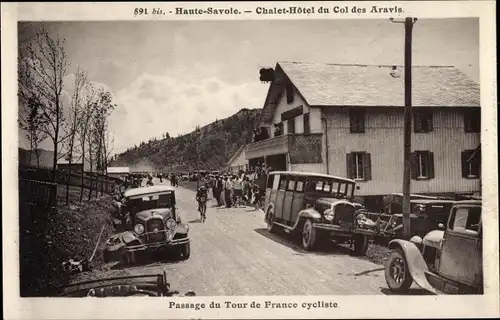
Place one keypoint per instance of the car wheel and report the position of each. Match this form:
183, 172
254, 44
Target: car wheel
271, 227
185, 251
308, 235
397, 273
360, 245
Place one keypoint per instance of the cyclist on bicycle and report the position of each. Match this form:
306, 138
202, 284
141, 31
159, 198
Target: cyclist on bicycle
201, 193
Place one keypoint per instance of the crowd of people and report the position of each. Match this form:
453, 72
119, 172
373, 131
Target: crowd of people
246, 188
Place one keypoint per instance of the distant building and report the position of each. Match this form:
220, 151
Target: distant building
347, 120
66, 166
117, 172
238, 161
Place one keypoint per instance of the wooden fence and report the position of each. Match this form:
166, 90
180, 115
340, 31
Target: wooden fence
89, 180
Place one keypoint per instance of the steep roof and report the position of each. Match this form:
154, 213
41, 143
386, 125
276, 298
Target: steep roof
372, 85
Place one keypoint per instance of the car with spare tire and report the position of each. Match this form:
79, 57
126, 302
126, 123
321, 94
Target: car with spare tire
317, 208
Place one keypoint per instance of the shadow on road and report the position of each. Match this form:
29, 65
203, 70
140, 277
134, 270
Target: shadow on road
283, 238
153, 260
368, 272
411, 292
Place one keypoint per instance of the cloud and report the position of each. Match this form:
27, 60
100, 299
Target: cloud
153, 105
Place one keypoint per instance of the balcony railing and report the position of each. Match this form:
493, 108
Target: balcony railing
301, 148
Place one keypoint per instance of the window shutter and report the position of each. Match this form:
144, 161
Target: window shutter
307, 127
430, 121
417, 122
367, 166
430, 162
361, 120
350, 165
291, 126
467, 122
414, 165
465, 165
352, 121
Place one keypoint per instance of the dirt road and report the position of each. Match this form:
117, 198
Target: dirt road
232, 253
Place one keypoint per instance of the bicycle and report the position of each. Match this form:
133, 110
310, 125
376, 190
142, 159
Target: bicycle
203, 208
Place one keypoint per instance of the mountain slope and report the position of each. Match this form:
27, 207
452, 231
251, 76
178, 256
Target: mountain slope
209, 147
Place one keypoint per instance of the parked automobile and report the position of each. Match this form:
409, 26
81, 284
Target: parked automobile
427, 212
317, 207
154, 285
153, 223
444, 261
393, 203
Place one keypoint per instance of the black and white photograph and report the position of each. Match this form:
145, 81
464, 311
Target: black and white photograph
233, 158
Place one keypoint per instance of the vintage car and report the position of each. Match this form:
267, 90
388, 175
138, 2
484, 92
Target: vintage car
316, 207
152, 223
154, 285
393, 203
427, 212
444, 261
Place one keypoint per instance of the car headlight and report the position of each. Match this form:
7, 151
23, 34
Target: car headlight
171, 224
421, 207
328, 214
139, 228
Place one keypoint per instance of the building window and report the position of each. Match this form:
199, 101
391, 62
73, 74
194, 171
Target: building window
422, 165
291, 126
278, 129
359, 166
282, 183
307, 124
472, 120
422, 121
471, 164
357, 120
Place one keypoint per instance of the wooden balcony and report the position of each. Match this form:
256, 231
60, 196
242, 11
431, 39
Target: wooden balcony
301, 148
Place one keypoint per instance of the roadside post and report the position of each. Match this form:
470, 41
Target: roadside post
407, 125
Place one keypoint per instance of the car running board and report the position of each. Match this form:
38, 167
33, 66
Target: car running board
287, 229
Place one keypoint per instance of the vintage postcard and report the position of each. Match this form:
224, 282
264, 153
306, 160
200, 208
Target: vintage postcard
231, 160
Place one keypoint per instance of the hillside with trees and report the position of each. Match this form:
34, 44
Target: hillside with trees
206, 148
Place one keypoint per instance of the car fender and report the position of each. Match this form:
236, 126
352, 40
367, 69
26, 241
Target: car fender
309, 213
129, 237
182, 228
416, 263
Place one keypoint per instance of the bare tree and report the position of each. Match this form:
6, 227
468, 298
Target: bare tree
31, 122
96, 136
83, 130
75, 116
42, 67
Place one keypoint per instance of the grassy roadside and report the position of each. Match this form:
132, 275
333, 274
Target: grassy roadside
70, 233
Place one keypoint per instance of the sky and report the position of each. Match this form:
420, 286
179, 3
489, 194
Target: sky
171, 76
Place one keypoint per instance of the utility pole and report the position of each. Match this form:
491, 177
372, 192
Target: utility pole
407, 127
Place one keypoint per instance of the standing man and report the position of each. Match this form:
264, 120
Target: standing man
246, 187
238, 191
227, 194
217, 190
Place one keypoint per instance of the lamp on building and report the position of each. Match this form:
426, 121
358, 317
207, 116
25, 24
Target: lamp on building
395, 72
